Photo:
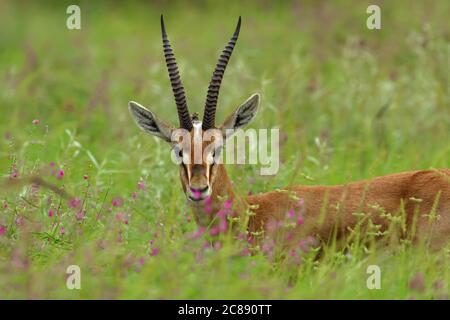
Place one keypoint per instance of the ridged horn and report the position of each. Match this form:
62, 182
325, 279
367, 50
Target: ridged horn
214, 86
175, 80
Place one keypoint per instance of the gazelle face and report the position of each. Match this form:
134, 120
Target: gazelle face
197, 151
196, 145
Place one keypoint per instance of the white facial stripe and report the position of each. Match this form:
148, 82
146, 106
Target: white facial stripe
198, 141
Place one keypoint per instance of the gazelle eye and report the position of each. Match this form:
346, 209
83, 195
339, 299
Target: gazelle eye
180, 153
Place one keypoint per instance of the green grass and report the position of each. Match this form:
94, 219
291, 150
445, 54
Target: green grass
323, 77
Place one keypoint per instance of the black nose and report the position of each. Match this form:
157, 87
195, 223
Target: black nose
199, 190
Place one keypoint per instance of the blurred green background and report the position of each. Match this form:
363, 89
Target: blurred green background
351, 103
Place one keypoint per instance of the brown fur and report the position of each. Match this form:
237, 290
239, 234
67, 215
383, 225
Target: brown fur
328, 208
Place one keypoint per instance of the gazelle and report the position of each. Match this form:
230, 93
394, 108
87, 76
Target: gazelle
422, 198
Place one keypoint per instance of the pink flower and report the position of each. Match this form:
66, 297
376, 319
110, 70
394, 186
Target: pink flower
60, 173
417, 282
36, 121
116, 202
74, 203
223, 225
52, 164
207, 209
141, 185
246, 252
217, 245
154, 252
85, 177
62, 230
200, 231
141, 261
301, 202
221, 213
79, 215
291, 213
227, 204
134, 195
214, 231
208, 201
120, 216
50, 213
2, 230
300, 220
20, 221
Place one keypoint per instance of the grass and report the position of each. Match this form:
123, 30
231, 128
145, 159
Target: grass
351, 104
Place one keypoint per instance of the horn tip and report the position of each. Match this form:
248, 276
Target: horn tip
238, 27
163, 28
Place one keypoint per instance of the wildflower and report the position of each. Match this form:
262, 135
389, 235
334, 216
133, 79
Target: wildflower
134, 195
200, 231
120, 216
291, 213
2, 230
74, 203
62, 230
80, 215
214, 231
223, 225
217, 245
246, 252
301, 202
141, 185
50, 213
154, 252
20, 221
5, 205
116, 202
417, 282
141, 261
227, 204
36, 122
300, 220
52, 164
60, 173
85, 177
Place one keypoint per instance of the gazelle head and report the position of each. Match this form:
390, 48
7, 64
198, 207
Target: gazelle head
200, 172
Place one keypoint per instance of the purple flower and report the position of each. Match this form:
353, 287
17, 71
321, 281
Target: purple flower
80, 215
74, 203
50, 213
2, 230
291, 213
116, 202
141, 185
60, 173
154, 252
62, 230
223, 225
227, 204
214, 231
200, 231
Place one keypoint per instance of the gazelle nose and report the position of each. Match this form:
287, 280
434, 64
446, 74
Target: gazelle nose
199, 190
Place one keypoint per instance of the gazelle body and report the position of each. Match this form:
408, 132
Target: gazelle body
420, 198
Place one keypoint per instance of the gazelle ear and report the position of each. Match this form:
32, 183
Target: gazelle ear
148, 122
241, 117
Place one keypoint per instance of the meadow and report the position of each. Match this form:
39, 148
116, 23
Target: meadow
350, 103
